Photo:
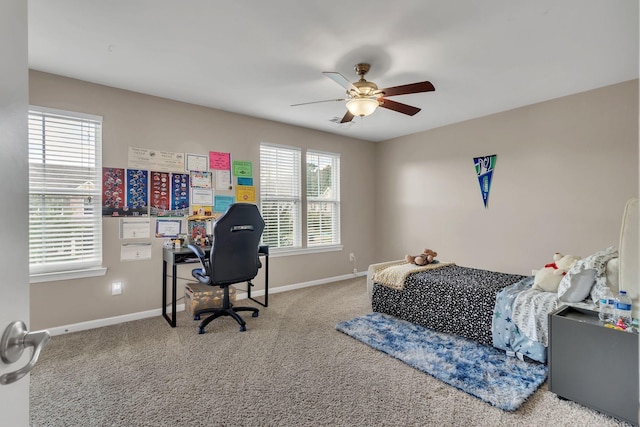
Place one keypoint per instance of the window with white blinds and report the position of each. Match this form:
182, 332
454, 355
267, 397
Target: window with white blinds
65, 218
280, 195
323, 199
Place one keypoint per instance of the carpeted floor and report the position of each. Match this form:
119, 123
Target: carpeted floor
290, 368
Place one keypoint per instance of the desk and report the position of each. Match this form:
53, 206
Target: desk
176, 257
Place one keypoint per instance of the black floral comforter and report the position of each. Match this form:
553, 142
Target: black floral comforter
454, 299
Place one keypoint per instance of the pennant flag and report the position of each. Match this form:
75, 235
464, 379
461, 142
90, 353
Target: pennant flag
484, 169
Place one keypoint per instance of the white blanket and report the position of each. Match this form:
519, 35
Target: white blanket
531, 310
394, 276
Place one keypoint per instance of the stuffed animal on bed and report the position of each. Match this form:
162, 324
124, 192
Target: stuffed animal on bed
426, 257
548, 279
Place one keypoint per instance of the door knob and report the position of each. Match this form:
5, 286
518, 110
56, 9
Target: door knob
14, 340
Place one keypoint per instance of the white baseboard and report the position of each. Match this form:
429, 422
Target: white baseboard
98, 323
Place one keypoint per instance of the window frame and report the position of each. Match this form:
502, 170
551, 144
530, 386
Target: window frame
334, 200
303, 247
72, 268
271, 193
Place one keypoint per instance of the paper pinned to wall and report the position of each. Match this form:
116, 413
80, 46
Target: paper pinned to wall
223, 180
135, 251
135, 228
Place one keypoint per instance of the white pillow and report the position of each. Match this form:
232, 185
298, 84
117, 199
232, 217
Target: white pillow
576, 287
598, 261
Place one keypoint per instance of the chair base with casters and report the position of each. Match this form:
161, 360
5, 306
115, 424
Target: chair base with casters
233, 258
227, 309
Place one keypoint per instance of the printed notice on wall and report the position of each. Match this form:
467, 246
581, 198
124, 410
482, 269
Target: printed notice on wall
161, 161
223, 180
219, 161
135, 251
244, 169
196, 162
222, 203
134, 228
245, 193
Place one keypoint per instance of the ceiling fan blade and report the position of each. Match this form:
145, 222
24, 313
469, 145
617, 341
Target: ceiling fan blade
347, 117
398, 106
341, 80
317, 102
407, 89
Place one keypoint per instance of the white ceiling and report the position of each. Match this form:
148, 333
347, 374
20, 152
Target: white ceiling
258, 57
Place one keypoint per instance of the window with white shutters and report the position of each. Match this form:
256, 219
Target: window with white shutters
280, 195
323, 199
65, 218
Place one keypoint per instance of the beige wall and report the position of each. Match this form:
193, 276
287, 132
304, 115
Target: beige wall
564, 171
135, 120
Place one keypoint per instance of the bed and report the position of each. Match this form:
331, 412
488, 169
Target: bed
500, 309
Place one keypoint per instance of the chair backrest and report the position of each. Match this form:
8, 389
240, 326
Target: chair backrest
234, 250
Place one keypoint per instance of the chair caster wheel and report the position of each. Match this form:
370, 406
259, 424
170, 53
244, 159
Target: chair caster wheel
200, 331
197, 317
255, 314
243, 328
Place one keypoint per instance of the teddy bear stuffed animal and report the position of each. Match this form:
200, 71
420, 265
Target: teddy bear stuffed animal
548, 279
426, 257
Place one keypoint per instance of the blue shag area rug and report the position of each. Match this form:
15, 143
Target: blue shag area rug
482, 371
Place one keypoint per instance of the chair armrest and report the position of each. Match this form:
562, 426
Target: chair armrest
202, 257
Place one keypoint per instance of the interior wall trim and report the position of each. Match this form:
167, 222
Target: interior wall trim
99, 323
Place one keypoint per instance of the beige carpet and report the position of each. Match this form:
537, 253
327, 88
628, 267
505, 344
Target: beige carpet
290, 368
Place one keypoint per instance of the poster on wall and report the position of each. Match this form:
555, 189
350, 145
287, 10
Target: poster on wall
124, 192
484, 170
180, 193
137, 192
160, 193
113, 197
169, 194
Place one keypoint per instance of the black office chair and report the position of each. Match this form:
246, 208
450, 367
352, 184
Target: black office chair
233, 258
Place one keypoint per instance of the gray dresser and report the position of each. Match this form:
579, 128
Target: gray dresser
593, 365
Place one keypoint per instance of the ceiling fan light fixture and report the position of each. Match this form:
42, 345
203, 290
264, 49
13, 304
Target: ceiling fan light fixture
362, 106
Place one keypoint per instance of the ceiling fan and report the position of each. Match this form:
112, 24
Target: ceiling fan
363, 97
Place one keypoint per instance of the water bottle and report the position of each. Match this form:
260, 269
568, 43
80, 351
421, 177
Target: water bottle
623, 310
607, 307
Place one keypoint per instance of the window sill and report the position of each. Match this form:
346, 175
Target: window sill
67, 275
275, 253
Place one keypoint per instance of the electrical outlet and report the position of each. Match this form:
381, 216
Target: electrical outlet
352, 257
116, 288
